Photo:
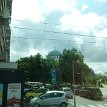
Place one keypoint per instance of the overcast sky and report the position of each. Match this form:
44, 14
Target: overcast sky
40, 26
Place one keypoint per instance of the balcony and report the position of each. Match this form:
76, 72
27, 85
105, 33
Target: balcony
4, 17
3, 56
5, 14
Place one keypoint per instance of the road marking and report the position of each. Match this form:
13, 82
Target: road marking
91, 106
100, 105
94, 105
71, 103
82, 106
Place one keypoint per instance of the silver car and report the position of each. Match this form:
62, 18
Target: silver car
50, 98
68, 91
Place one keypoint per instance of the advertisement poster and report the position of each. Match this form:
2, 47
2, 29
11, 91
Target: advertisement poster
14, 95
1, 94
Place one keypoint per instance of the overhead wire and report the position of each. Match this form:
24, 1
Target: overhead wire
50, 31
46, 23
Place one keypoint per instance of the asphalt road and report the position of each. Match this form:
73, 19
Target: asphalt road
83, 102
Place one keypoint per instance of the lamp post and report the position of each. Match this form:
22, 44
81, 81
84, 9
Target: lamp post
74, 83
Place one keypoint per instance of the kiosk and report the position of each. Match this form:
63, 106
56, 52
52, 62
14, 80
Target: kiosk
11, 85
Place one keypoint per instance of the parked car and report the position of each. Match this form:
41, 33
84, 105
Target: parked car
68, 91
91, 93
50, 98
36, 93
77, 90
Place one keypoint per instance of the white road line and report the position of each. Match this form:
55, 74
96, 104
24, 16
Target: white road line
70, 103
104, 105
100, 105
91, 106
82, 106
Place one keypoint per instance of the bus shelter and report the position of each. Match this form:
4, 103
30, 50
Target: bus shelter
11, 85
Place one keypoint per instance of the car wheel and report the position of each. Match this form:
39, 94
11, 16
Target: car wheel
63, 105
36, 105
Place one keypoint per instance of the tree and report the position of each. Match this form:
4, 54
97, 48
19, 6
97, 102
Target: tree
37, 68
25, 65
66, 60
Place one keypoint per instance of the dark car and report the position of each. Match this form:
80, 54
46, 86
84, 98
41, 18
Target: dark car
91, 93
78, 90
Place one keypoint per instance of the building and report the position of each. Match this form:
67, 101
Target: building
5, 32
54, 54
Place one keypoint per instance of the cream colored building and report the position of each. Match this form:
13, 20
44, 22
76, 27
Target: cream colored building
5, 32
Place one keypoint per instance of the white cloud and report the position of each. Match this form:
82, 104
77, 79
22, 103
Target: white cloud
50, 6
102, 1
33, 51
83, 23
26, 9
98, 67
102, 33
37, 10
84, 7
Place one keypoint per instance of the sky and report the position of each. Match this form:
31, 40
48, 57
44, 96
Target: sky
40, 26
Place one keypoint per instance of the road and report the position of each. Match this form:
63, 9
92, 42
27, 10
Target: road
83, 102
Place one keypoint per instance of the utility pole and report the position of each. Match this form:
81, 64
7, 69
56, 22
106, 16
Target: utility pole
81, 62
74, 83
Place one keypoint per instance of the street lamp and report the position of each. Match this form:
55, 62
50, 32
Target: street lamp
73, 83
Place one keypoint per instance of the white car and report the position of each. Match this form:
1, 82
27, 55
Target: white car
50, 98
68, 91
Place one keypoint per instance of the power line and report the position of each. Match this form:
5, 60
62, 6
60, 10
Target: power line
23, 28
14, 37
46, 23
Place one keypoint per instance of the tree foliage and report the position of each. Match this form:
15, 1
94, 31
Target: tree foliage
68, 60
37, 68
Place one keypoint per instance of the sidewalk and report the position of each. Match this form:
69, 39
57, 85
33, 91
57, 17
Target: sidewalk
104, 91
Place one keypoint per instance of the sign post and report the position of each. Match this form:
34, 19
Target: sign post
53, 75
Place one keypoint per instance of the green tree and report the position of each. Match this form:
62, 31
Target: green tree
25, 65
37, 68
74, 58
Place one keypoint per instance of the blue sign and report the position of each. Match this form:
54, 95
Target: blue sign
53, 75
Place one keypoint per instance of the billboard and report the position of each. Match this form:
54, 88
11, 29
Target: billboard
1, 94
14, 95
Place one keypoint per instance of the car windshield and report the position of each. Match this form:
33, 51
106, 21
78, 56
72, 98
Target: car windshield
67, 89
44, 95
53, 45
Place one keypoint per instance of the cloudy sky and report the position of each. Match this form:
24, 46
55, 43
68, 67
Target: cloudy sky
40, 26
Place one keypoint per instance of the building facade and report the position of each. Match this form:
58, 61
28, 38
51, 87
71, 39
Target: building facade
5, 32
